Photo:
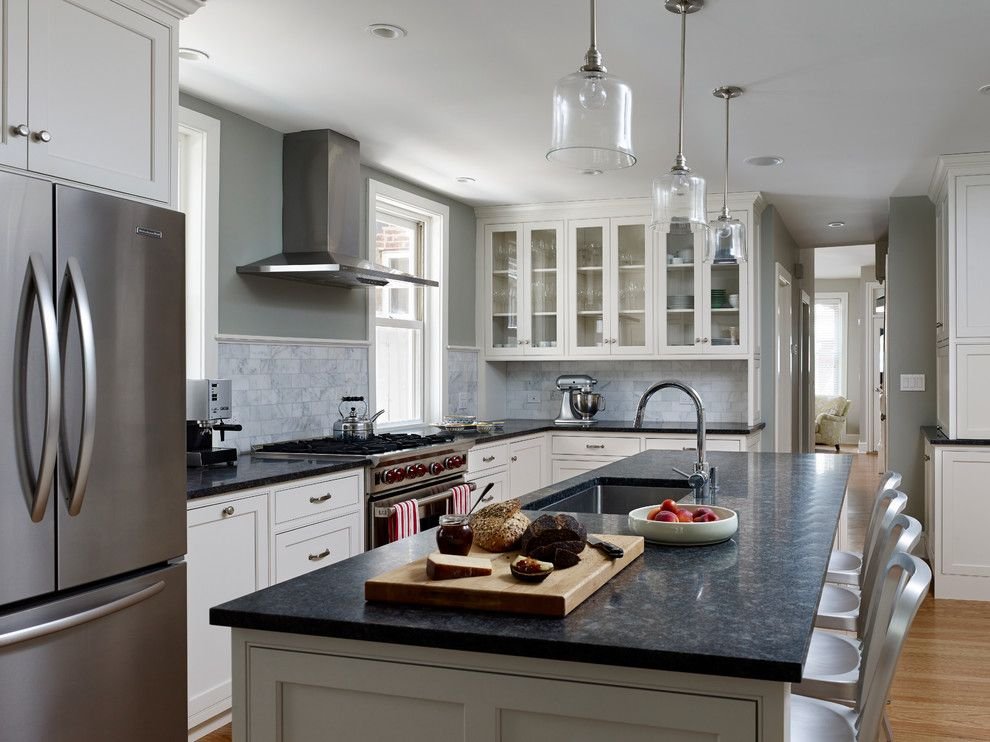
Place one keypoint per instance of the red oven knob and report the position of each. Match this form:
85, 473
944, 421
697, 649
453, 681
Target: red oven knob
400, 473
421, 470
452, 462
436, 468
412, 471
389, 476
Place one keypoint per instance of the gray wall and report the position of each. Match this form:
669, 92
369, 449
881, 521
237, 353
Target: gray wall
855, 329
778, 246
251, 229
910, 333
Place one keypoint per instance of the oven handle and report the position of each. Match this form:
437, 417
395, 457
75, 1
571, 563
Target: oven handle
385, 512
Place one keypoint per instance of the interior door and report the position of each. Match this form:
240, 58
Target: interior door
27, 533
120, 269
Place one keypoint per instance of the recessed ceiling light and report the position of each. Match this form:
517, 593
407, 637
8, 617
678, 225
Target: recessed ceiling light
765, 160
192, 55
836, 225
386, 31
985, 89
464, 179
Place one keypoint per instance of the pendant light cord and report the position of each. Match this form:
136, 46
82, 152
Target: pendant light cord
725, 183
679, 162
593, 59
594, 25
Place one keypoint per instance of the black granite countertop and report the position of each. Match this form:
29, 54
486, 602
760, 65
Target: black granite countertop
937, 438
252, 472
517, 427
743, 608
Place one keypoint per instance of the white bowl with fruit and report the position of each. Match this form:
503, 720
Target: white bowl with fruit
673, 524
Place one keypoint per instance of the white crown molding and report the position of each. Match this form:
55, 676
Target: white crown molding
178, 8
269, 340
605, 207
973, 163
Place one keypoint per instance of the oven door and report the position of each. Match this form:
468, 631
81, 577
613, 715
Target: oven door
433, 500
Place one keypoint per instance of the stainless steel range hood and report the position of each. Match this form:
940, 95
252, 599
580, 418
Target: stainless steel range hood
321, 190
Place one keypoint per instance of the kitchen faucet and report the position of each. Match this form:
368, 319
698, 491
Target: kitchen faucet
702, 476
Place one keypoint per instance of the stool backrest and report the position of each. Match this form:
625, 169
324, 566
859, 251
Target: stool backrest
901, 535
904, 585
893, 503
889, 482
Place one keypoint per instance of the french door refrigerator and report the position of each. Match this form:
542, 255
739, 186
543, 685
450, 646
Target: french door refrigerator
92, 466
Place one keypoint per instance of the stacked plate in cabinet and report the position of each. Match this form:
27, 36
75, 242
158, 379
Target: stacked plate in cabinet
675, 301
720, 299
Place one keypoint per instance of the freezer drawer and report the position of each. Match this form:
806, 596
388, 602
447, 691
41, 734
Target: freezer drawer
105, 664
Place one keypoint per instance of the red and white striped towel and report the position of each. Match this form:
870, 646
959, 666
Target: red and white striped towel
404, 520
460, 499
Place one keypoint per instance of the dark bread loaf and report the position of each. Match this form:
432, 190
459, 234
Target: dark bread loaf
563, 554
552, 529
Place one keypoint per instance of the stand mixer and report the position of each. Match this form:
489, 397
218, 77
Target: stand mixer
580, 402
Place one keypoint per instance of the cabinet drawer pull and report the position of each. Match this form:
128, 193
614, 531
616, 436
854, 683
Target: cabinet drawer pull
321, 498
594, 445
927, 457
938, 324
514, 458
42, 136
229, 510
488, 498
487, 459
317, 557
21, 130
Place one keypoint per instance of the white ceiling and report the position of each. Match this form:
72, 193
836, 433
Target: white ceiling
843, 262
859, 97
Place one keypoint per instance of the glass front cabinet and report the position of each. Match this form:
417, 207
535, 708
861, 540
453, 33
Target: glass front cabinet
524, 278
705, 304
610, 287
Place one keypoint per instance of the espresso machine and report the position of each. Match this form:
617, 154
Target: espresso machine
207, 406
580, 402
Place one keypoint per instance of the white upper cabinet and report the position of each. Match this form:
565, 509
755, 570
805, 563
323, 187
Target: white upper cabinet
972, 253
89, 92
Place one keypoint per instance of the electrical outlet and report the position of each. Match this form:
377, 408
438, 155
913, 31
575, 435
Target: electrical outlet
532, 398
912, 382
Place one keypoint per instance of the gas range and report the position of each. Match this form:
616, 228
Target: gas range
398, 460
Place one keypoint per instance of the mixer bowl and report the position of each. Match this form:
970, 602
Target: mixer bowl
587, 404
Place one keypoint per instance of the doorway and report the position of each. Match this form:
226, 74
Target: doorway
784, 364
806, 442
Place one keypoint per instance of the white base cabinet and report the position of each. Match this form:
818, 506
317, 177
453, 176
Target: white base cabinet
957, 508
309, 688
515, 467
245, 541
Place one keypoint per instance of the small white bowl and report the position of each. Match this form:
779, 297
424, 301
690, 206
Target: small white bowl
685, 534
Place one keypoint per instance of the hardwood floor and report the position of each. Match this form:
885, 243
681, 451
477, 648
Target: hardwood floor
943, 678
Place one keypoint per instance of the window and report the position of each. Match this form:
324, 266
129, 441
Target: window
408, 330
830, 344
199, 199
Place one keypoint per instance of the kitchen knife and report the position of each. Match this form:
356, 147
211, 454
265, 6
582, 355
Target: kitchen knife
610, 549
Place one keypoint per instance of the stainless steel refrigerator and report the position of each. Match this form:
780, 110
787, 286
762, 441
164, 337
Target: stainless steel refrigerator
92, 472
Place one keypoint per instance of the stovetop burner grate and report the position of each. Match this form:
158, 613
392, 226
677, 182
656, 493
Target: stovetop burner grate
383, 443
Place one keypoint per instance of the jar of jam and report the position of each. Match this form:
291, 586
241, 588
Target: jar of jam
455, 535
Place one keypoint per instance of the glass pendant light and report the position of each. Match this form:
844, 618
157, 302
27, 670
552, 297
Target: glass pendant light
679, 198
726, 236
592, 116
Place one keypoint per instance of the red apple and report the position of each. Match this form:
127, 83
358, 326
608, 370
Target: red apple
670, 506
666, 517
652, 515
685, 516
708, 517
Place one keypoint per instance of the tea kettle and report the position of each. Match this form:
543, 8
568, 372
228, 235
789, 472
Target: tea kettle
355, 425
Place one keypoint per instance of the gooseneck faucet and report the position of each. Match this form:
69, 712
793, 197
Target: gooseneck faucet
701, 477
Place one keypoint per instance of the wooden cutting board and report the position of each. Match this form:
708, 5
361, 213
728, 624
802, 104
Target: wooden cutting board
559, 594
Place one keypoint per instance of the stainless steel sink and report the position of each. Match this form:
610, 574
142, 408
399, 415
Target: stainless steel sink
619, 499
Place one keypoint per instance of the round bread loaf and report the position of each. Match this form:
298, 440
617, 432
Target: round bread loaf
499, 527
551, 530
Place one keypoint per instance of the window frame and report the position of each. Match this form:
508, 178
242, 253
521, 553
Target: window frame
436, 225
203, 221
842, 299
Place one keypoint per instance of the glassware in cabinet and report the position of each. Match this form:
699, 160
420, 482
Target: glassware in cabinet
590, 297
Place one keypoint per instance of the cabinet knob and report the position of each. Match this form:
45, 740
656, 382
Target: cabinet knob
938, 324
514, 458
229, 510
704, 340
612, 340
697, 340
317, 557
42, 136
321, 498
927, 457
488, 498
21, 130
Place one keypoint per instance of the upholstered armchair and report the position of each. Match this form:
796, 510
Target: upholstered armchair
830, 420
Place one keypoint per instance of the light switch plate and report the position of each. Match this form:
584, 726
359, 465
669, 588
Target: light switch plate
912, 382
532, 398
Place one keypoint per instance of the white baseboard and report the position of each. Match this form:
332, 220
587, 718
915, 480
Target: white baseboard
850, 439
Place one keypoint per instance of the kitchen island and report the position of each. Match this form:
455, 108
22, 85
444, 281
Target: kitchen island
685, 643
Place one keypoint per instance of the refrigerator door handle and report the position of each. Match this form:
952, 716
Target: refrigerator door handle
77, 619
74, 290
37, 488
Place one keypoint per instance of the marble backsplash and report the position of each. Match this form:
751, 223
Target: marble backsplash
721, 384
462, 382
282, 391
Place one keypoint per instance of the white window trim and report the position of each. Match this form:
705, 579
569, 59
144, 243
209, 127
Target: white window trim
205, 130
843, 298
436, 217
